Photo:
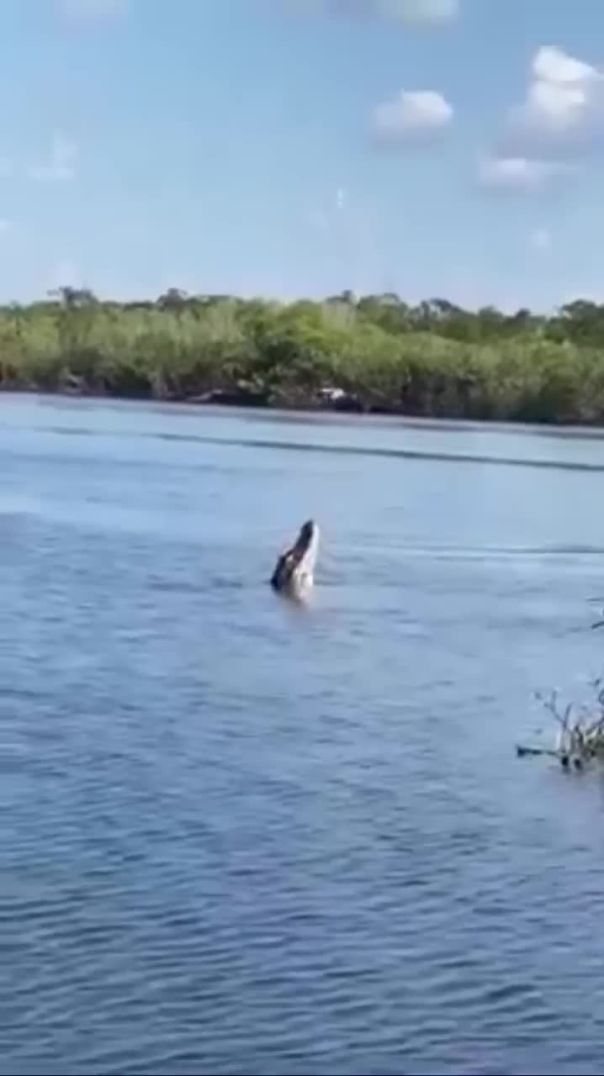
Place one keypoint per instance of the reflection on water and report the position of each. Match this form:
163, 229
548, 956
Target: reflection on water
241, 835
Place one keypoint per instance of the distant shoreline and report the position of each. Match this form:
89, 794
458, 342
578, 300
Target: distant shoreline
309, 410
376, 355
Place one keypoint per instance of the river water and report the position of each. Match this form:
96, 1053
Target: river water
239, 836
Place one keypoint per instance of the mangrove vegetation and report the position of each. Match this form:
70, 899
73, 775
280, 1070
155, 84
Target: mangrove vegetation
375, 353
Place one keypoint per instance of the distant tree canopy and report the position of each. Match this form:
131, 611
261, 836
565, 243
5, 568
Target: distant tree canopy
373, 353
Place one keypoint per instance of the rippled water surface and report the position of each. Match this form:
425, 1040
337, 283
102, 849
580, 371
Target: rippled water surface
243, 837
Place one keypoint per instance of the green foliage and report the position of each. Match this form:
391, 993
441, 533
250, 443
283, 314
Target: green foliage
431, 359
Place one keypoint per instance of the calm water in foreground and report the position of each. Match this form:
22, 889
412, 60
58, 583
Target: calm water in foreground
241, 837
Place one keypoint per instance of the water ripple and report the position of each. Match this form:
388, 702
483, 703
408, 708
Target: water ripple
242, 838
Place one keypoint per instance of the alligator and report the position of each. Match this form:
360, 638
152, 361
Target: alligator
294, 571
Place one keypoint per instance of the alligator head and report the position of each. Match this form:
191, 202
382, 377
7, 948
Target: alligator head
294, 571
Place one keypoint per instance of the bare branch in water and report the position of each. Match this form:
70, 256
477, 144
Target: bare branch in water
581, 735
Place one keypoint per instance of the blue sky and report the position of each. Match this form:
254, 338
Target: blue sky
449, 148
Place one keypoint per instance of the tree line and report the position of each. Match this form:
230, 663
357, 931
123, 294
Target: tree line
373, 353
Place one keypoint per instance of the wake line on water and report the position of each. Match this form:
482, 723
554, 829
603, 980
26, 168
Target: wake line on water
411, 454
341, 450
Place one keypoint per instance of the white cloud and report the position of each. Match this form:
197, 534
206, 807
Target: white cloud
540, 239
519, 174
416, 115
60, 166
340, 198
563, 111
552, 64
561, 118
91, 10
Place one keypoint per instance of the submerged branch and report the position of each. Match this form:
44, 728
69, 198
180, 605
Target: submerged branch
580, 738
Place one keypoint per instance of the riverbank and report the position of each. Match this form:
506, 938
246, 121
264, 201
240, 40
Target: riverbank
326, 401
219, 402
371, 356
